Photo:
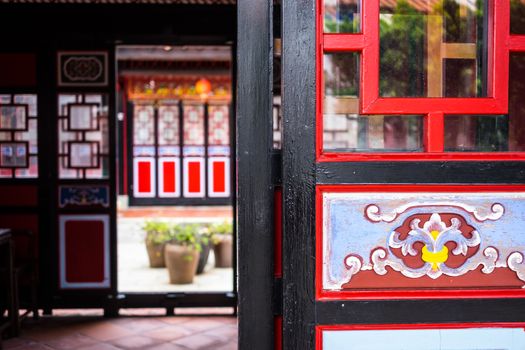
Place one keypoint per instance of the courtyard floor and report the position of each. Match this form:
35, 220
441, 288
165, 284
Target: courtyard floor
137, 329
134, 273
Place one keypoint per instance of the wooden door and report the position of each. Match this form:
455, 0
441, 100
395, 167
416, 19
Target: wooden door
403, 175
84, 174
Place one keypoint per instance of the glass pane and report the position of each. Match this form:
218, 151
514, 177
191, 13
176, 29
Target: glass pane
193, 125
517, 17
341, 83
30, 172
432, 48
64, 100
492, 133
30, 101
143, 125
82, 155
13, 117
355, 133
218, 125
474, 133
82, 117
30, 135
342, 16
13, 155
168, 125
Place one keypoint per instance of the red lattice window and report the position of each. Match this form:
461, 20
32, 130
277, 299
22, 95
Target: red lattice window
420, 80
18, 136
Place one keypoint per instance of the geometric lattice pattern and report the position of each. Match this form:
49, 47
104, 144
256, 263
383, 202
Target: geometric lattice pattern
218, 125
83, 136
441, 103
168, 163
18, 136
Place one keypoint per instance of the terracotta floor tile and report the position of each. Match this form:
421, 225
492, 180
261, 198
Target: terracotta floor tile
99, 346
136, 342
149, 333
228, 346
200, 324
226, 333
45, 334
169, 333
167, 346
175, 319
199, 342
71, 341
139, 325
105, 331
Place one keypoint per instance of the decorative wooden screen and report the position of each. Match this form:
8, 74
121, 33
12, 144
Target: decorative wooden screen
18, 136
181, 151
419, 80
83, 146
86, 203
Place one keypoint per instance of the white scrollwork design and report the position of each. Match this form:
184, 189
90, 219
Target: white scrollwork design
373, 212
353, 265
515, 263
381, 259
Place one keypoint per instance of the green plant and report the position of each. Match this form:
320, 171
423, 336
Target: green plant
188, 235
157, 232
217, 231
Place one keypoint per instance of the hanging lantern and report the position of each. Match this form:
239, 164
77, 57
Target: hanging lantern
203, 87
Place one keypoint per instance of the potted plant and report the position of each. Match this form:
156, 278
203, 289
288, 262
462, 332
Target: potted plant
205, 242
222, 237
181, 253
157, 234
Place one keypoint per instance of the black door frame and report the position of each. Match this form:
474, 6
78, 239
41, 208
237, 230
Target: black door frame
256, 170
98, 26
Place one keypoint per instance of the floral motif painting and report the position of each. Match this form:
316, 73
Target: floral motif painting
378, 240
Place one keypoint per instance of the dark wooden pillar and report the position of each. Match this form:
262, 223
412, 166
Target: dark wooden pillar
255, 190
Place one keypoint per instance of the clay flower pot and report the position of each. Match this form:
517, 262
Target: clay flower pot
157, 234
203, 258
181, 262
223, 250
155, 254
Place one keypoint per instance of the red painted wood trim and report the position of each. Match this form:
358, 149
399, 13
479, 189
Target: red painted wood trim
369, 79
343, 42
517, 43
401, 326
278, 329
278, 238
402, 294
424, 157
433, 133
370, 327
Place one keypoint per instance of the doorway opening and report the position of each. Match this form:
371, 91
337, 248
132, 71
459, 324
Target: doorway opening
175, 146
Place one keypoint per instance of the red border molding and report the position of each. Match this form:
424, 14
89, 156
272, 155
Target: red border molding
501, 43
352, 327
385, 294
